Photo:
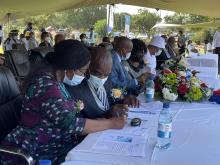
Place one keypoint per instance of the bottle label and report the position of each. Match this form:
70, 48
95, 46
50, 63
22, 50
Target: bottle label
149, 93
164, 130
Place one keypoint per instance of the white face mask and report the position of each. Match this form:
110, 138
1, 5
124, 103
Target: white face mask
97, 82
76, 80
158, 52
128, 55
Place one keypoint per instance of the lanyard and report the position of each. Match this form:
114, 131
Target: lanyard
64, 91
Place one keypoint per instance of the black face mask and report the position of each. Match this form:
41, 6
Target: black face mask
137, 69
137, 57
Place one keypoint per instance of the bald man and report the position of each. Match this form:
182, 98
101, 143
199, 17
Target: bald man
59, 38
119, 75
95, 91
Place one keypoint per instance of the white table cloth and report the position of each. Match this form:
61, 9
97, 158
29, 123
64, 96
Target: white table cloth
211, 82
207, 60
195, 140
207, 65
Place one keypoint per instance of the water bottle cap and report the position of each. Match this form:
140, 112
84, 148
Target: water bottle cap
166, 105
44, 162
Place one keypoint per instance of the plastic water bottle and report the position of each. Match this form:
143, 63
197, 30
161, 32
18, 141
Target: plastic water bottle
150, 89
164, 128
44, 162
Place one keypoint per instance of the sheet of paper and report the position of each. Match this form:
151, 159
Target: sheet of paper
129, 130
148, 107
76, 162
142, 116
117, 144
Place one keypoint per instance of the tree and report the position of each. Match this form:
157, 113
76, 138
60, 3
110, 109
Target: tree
85, 17
144, 21
81, 18
177, 18
101, 27
180, 18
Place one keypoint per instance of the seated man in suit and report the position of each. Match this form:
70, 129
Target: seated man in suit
119, 75
95, 92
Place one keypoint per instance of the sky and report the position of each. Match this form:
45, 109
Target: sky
134, 10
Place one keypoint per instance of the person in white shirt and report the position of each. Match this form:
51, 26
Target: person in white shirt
23, 41
207, 47
153, 49
31, 42
12, 41
191, 49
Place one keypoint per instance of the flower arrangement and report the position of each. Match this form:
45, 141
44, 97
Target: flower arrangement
118, 94
177, 81
79, 105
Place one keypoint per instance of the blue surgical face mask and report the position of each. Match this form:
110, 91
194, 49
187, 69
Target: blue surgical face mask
76, 80
97, 82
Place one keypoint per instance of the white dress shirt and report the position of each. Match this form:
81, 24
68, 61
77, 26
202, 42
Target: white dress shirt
32, 43
208, 47
216, 39
9, 43
150, 61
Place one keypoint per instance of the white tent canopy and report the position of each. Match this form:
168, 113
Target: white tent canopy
24, 8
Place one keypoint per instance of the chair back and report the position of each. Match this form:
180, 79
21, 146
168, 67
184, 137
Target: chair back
10, 102
18, 62
43, 50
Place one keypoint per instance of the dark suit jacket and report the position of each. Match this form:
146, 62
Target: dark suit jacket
161, 59
82, 92
119, 76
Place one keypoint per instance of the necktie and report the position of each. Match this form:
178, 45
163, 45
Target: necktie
102, 96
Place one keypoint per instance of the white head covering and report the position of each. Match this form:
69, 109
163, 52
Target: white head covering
158, 42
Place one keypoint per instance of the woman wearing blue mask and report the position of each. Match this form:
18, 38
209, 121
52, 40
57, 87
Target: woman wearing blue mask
95, 91
74, 78
49, 126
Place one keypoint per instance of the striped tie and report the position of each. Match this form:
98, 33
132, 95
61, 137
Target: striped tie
102, 96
